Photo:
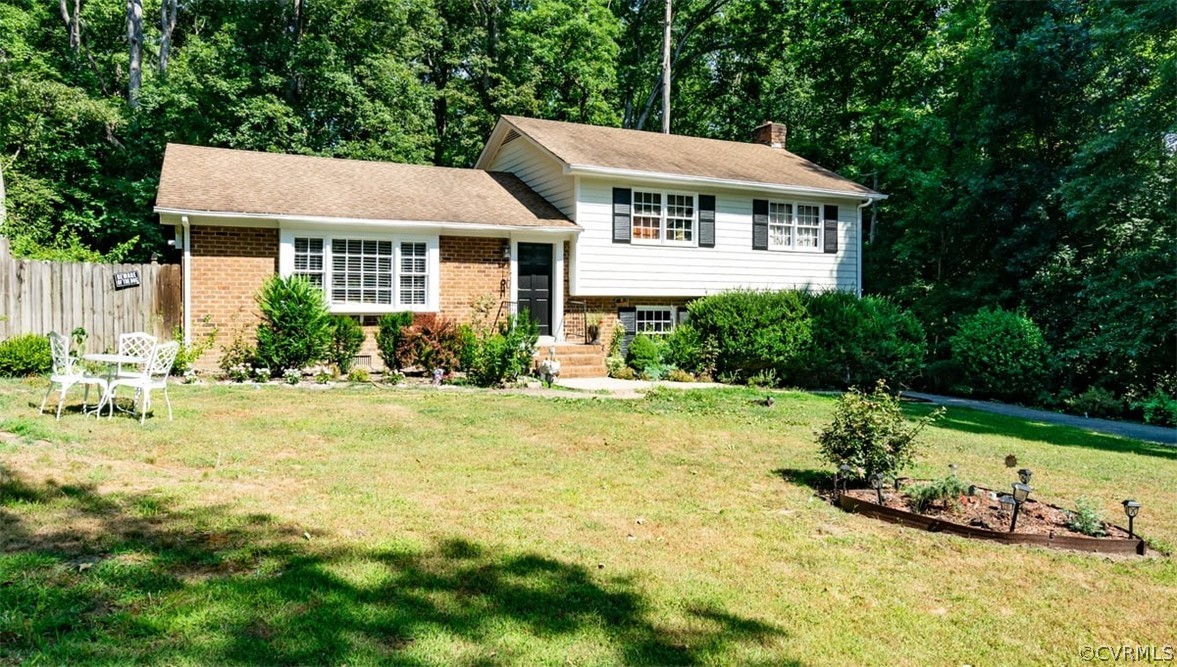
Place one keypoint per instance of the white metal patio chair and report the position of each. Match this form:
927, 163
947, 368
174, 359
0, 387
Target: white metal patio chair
137, 344
159, 366
66, 374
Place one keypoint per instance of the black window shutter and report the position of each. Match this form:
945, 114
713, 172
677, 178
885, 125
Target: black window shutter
629, 319
831, 232
760, 224
706, 221
622, 207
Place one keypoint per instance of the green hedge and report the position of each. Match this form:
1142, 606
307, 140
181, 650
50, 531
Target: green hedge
826, 339
754, 331
1001, 354
25, 355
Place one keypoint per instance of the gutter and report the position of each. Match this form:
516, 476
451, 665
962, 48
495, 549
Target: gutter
858, 241
187, 280
589, 170
572, 227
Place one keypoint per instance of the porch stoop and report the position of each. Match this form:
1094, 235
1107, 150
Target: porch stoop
576, 360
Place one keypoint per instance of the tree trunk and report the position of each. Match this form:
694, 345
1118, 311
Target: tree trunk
135, 43
2, 209
666, 71
73, 24
167, 23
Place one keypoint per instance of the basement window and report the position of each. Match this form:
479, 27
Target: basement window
655, 320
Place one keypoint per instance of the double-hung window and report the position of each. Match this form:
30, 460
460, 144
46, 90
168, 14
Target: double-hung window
308, 259
366, 274
654, 320
664, 217
794, 226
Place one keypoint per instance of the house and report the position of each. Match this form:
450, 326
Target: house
574, 223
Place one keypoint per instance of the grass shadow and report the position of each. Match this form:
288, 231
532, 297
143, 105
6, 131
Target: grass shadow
118, 578
966, 420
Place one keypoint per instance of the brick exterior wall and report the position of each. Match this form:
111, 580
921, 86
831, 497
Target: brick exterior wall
229, 265
604, 307
473, 272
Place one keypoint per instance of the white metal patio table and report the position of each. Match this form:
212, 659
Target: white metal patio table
112, 362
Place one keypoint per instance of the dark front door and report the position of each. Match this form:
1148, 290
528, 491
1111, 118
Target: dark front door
535, 284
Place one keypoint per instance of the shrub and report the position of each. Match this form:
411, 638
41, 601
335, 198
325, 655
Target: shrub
644, 351
614, 365
468, 346
615, 340
431, 341
870, 434
655, 372
858, 341
1001, 354
686, 349
505, 355
296, 326
292, 376
359, 375
679, 375
1159, 408
346, 340
239, 353
24, 355
189, 354
753, 331
625, 373
1086, 519
764, 378
389, 335
946, 490
1096, 402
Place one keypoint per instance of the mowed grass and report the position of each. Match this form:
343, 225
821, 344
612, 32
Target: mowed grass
422, 527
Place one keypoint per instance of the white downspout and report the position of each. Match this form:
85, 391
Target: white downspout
186, 267
858, 242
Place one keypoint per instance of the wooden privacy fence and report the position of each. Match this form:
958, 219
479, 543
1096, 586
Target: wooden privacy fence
38, 297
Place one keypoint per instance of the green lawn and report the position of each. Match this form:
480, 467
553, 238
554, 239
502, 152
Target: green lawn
399, 526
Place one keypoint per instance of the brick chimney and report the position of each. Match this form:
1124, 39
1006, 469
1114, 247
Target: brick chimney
770, 134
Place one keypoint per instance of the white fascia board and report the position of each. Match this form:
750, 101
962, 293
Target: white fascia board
253, 219
679, 179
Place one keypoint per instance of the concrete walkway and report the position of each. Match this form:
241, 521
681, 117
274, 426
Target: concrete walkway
1159, 434
626, 388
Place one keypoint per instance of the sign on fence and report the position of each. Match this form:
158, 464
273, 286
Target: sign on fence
125, 279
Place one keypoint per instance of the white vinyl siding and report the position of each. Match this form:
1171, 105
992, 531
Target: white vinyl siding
539, 171
604, 268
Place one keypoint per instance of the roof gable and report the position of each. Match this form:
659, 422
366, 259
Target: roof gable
202, 179
590, 147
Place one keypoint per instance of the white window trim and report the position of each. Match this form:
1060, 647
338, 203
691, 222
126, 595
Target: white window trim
793, 226
673, 310
662, 240
433, 264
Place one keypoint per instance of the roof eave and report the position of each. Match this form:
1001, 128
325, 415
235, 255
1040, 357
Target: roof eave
592, 170
569, 228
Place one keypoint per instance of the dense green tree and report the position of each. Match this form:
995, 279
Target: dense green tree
1028, 147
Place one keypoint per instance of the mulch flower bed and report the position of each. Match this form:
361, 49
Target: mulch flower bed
984, 511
